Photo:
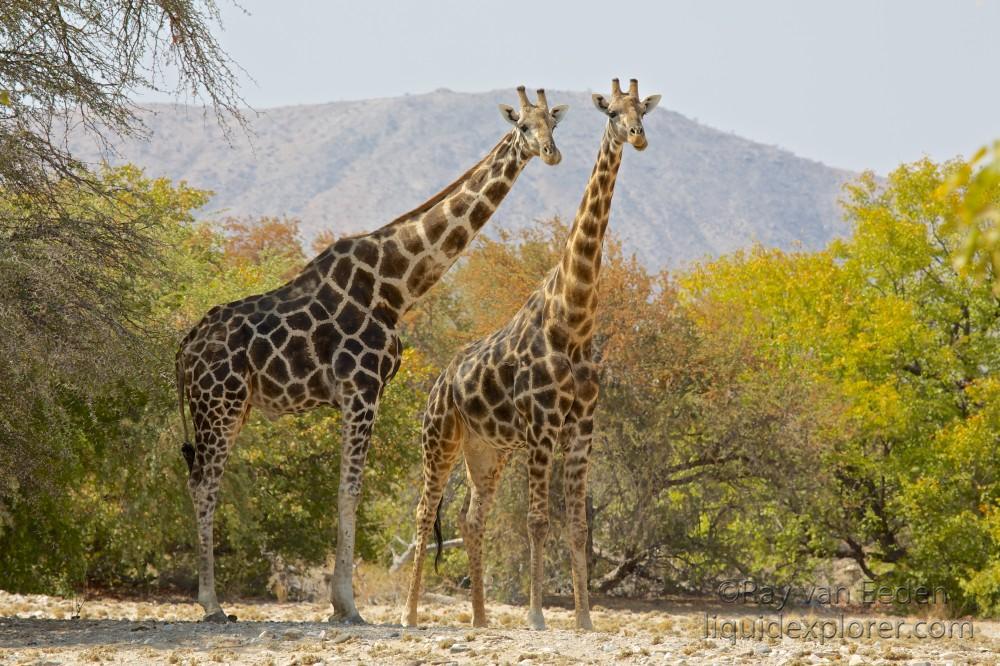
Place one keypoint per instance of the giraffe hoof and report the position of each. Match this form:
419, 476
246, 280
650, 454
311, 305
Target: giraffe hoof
349, 619
218, 617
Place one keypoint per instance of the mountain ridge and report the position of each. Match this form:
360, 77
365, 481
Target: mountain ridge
353, 166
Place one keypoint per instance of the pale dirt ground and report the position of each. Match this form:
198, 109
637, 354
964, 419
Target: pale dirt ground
38, 630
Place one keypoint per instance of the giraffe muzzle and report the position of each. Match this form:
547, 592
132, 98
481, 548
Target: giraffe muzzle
551, 154
637, 137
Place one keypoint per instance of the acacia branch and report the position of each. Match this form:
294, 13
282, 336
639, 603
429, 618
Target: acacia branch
399, 560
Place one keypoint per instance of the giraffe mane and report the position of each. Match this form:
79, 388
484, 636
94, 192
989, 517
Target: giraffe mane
437, 198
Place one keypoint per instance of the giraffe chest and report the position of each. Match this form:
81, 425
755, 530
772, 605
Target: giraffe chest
506, 387
483, 392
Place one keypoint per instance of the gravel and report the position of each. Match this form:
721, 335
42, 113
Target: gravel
40, 630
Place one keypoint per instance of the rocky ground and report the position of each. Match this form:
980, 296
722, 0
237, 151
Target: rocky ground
44, 630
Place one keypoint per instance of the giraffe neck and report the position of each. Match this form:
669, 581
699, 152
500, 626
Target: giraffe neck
574, 281
419, 247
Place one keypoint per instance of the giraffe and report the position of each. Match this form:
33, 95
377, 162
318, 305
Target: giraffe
330, 337
531, 384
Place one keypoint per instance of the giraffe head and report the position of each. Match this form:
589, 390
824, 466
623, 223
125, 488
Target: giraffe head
536, 123
625, 112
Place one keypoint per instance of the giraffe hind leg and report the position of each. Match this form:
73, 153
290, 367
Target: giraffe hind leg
220, 423
441, 440
484, 465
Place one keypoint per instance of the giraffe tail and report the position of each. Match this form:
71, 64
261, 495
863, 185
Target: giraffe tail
187, 449
438, 539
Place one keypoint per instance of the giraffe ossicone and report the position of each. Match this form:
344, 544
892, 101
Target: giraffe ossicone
330, 337
530, 385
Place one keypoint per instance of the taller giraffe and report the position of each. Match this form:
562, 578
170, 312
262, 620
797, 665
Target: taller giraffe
329, 337
533, 385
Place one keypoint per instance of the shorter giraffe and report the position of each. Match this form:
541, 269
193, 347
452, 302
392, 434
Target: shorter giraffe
532, 385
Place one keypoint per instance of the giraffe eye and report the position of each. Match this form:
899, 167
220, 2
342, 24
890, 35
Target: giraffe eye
524, 128
612, 114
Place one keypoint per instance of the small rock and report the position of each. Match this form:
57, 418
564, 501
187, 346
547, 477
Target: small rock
459, 647
855, 660
607, 647
762, 648
292, 635
917, 662
342, 638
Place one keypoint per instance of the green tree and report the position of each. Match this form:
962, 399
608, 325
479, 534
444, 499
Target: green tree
909, 342
69, 406
72, 241
971, 193
104, 499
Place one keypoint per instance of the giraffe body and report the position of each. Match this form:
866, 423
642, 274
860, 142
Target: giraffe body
530, 385
330, 337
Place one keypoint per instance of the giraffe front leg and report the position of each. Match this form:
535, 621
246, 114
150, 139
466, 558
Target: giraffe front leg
575, 485
357, 429
578, 432
540, 448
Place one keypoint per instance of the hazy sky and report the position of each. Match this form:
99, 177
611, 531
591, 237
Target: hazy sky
855, 84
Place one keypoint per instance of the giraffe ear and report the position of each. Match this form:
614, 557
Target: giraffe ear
650, 103
600, 102
559, 113
509, 114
